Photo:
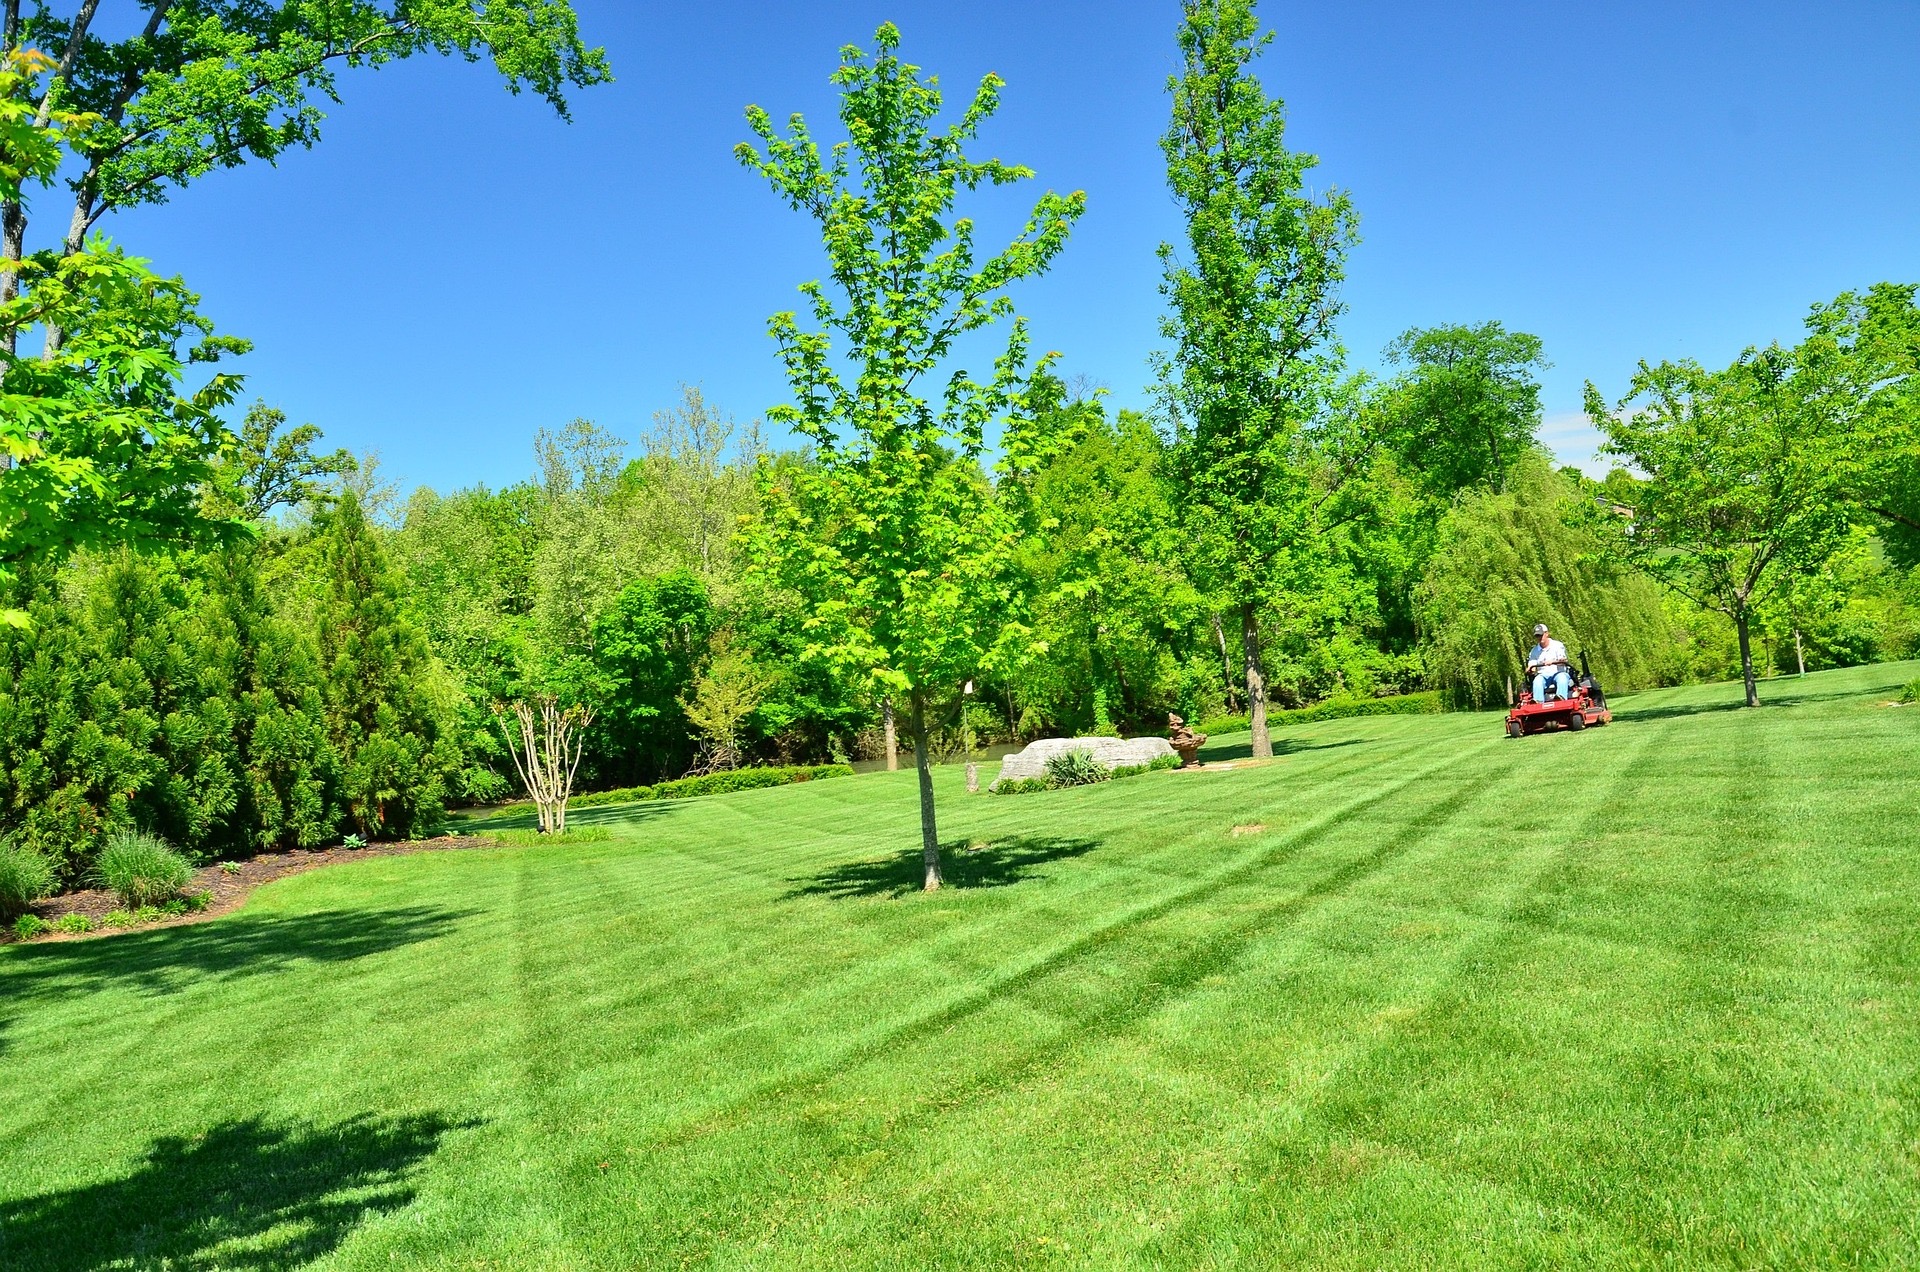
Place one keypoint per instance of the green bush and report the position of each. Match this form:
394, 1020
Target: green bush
1020, 786
1155, 765
1911, 693
533, 838
1427, 703
25, 877
28, 926
1075, 768
71, 923
141, 869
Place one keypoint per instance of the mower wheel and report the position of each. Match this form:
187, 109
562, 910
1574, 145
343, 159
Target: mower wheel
1577, 721
1513, 728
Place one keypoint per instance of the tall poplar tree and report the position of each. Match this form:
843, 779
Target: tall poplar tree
1254, 364
891, 534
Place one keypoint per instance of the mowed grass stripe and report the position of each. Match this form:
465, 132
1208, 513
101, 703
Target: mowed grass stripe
1441, 1013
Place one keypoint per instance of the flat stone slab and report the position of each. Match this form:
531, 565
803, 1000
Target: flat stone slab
1112, 752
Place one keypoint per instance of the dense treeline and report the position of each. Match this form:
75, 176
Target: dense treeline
338, 674
237, 642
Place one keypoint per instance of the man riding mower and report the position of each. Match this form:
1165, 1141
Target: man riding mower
1556, 699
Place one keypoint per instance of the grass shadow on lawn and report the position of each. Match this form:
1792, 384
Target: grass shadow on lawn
1214, 753
169, 959
244, 1195
1773, 693
999, 864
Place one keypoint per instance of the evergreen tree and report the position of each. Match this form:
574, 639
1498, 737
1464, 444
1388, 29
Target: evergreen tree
386, 705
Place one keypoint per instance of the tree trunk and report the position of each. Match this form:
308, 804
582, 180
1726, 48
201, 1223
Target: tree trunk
1799, 652
1226, 663
1746, 659
1256, 683
893, 735
923, 764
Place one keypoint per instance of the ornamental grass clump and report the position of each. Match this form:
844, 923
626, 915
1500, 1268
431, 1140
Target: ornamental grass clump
1075, 768
142, 869
1911, 693
25, 877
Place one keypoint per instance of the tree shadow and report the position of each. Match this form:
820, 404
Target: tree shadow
1214, 753
999, 863
165, 960
592, 815
1772, 694
244, 1195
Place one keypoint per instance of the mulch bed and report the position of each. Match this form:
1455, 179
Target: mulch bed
229, 888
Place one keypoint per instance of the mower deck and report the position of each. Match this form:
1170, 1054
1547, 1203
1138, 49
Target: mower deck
1572, 714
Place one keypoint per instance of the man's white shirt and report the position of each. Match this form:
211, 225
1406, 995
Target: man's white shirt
1548, 651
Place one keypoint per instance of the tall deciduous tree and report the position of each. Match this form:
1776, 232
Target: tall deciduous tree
1752, 474
892, 534
1254, 360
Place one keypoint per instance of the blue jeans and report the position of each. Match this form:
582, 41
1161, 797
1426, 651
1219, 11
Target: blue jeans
1562, 682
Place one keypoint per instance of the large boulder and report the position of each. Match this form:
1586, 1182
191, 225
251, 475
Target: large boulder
1112, 752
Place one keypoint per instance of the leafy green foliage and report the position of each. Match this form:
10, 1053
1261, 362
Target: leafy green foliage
1530, 553
103, 447
1910, 692
1112, 610
28, 926
1252, 379
212, 84
1021, 786
142, 869
1075, 768
385, 713
25, 876
1752, 474
892, 536
1467, 406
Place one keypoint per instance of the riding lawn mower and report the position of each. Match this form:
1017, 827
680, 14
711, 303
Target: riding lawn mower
1585, 704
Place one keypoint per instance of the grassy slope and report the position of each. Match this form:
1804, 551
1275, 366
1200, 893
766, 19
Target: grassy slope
1639, 997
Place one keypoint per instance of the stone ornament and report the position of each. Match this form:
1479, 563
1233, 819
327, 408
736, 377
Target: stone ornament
1184, 740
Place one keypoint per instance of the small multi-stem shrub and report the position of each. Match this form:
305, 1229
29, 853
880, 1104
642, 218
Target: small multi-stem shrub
531, 838
25, 877
28, 926
1076, 768
71, 923
142, 869
1911, 693
230, 867
354, 841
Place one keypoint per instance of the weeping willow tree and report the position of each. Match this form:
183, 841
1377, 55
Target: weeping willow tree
1506, 560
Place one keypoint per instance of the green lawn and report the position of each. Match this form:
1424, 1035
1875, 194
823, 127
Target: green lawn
1639, 997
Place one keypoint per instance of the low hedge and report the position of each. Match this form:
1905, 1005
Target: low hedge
746, 779
725, 783
1427, 703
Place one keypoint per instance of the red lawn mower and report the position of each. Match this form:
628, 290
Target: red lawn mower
1586, 704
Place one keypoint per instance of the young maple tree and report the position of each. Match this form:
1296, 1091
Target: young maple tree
891, 533
1254, 365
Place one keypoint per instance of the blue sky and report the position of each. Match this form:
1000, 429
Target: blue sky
454, 268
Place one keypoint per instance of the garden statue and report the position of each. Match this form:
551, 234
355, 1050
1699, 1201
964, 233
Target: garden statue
1185, 741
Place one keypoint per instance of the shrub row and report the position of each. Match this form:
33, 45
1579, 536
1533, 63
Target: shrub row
1078, 768
1427, 703
745, 779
